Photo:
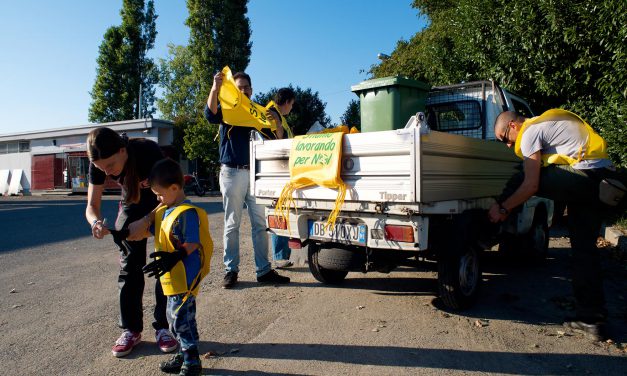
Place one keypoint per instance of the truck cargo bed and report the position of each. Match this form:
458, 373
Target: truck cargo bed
400, 167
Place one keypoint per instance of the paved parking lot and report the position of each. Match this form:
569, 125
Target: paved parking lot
58, 311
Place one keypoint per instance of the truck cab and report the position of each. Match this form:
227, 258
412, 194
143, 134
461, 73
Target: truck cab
470, 109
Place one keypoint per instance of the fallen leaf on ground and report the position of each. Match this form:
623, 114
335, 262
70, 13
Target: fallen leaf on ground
209, 354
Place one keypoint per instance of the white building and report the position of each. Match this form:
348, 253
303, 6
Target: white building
57, 158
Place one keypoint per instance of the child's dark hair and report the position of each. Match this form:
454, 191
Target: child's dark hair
284, 95
165, 173
103, 143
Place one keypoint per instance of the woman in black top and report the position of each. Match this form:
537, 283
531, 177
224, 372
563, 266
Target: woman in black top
127, 162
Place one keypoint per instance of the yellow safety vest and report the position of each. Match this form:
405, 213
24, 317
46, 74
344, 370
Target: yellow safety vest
237, 109
174, 282
594, 148
286, 126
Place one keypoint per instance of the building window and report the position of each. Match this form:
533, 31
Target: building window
24, 146
14, 147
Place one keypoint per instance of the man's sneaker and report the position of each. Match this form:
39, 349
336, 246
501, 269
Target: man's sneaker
280, 264
230, 279
124, 345
593, 331
273, 277
165, 340
191, 369
173, 365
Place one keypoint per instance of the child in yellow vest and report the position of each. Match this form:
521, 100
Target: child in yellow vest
183, 252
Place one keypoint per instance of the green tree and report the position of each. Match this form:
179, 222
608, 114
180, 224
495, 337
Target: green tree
308, 108
565, 53
351, 116
123, 67
219, 36
179, 87
178, 103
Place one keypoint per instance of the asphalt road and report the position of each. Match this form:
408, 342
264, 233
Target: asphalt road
58, 311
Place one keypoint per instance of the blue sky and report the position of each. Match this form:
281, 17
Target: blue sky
49, 50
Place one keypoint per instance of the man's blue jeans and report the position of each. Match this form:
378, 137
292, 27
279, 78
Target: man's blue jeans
280, 248
235, 188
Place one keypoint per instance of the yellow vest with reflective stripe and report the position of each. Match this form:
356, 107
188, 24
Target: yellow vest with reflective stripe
594, 148
174, 282
286, 126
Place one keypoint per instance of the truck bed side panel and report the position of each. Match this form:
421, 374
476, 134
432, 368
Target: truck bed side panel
399, 166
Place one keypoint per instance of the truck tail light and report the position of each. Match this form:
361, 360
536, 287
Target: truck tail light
274, 221
399, 233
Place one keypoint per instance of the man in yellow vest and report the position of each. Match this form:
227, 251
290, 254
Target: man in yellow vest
563, 160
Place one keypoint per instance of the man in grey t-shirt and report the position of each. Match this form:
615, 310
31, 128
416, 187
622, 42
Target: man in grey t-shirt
563, 158
564, 137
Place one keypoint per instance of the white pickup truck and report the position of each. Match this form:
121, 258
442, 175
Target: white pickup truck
415, 196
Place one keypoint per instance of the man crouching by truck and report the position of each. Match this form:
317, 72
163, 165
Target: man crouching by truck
563, 160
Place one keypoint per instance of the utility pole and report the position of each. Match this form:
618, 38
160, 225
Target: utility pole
139, 106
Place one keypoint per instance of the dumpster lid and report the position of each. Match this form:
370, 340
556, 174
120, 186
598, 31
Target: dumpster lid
389, 81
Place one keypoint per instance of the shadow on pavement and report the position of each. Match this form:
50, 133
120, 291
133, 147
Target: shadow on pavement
513, 290
443, 359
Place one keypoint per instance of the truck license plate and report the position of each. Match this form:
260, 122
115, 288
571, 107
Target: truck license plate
340, 232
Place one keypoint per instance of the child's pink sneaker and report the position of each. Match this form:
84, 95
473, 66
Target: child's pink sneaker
166, 341
124, 345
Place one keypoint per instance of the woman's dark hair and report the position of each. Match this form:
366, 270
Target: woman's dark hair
284, 95
102, 143
165, 173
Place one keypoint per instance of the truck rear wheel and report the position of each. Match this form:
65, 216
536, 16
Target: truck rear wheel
459, 272
322, 274
459, 278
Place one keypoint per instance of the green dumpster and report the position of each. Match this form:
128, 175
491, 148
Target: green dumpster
387, 103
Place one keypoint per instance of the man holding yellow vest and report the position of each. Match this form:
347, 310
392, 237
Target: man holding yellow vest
235, 187
563, 160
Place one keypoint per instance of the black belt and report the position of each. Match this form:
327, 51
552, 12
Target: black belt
238, 167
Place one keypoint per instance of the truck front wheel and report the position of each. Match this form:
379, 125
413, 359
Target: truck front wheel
320, 273
537, 240
532, 246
